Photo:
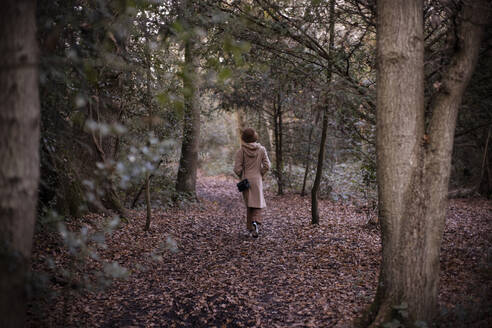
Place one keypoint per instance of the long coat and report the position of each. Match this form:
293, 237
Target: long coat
251, 162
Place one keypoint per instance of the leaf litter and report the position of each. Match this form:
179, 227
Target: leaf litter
198, 267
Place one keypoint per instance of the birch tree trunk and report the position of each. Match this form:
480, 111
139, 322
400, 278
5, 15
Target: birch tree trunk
413, 162
19, 153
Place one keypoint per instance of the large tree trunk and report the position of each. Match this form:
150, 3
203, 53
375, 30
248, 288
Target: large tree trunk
414, 164
188, 163
19, 153
321, 154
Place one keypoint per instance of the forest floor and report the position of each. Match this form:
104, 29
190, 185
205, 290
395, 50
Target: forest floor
293, 275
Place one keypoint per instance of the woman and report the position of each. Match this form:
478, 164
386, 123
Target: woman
251, 162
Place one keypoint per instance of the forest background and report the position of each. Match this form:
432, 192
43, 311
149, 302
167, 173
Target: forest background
138, 98
90, 52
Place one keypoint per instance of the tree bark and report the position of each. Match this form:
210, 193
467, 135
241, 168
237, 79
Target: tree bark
149, 107
278, 144
484, 182
308, 152
143, 186
321, 154
101, 150
263, 130
19, 153
319, 169
414, 163
241, 123
188, 163
139, 193
308, 160
148, 204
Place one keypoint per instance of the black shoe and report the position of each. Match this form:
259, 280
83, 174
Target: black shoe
254, 232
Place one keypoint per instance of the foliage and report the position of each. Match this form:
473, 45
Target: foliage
219, 143
83, 271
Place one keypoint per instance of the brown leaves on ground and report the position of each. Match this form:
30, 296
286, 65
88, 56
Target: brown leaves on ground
293, 275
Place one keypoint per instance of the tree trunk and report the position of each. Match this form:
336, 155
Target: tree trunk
319, 169
484, 186
143, 186
19, 153
278, 144
308, 160
102, 147
308, 155
413, 164
139, 193
280, 164
262, 129
188, 163
147, 202
149, 107
321, 154
241, 124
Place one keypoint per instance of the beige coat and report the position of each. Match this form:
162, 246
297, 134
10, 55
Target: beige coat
251, 162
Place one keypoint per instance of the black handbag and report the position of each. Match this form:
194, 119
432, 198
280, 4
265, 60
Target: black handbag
243, 184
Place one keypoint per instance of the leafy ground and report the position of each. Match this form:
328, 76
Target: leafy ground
293, 275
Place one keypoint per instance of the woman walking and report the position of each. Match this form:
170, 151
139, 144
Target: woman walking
251, 162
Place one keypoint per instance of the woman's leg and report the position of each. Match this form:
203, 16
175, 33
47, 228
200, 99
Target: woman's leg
249, 218
256, 214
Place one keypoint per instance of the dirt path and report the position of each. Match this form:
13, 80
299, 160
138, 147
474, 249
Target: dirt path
293, 275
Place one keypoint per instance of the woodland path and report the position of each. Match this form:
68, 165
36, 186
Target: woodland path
293, 275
